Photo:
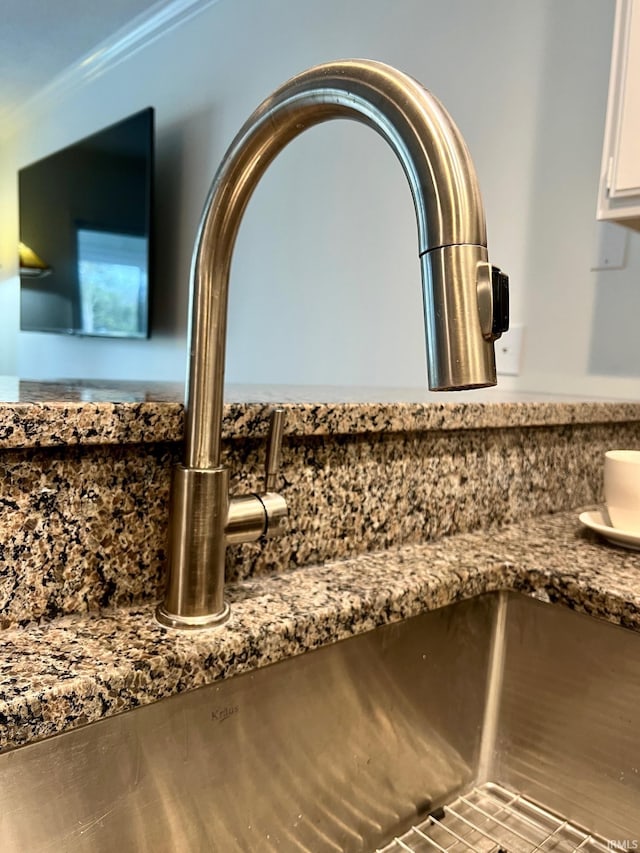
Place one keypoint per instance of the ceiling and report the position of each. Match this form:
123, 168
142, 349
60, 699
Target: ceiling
39, 39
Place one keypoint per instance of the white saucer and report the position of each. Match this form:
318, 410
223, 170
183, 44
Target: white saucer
597, 520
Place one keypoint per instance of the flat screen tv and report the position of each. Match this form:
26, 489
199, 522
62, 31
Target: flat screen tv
85, 234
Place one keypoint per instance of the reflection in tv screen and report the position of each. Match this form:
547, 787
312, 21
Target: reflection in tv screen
85, 232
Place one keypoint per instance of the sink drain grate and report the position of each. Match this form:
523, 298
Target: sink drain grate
492, 819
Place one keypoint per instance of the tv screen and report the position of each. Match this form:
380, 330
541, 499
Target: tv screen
85, 234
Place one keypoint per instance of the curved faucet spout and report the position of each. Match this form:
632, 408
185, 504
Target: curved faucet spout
448, 209
460, 295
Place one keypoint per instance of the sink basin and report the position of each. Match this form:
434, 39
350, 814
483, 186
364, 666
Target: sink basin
445, 722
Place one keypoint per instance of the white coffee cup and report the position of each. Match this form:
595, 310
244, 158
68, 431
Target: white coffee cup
622, 489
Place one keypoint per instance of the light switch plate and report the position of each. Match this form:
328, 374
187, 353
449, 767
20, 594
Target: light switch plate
611, 246
509, 351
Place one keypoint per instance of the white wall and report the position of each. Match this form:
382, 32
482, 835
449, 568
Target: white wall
325, 284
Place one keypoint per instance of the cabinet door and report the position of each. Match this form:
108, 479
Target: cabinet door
620, 181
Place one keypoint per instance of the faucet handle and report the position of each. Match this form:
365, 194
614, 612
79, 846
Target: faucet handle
275, 506
274, 447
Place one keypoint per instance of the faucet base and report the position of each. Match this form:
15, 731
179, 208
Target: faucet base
192, 623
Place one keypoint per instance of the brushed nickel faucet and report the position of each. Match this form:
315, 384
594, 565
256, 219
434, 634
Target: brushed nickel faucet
465, 301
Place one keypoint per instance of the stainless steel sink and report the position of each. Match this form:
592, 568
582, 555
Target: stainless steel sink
499, 722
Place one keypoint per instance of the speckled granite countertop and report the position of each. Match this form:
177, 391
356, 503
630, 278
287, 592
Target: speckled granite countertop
81, 668
34, 414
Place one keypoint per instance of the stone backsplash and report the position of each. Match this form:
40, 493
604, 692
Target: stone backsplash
83, 527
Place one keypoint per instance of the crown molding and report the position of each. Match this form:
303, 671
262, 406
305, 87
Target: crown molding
142, 31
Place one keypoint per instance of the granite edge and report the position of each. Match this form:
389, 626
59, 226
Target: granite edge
97, 666
64, 423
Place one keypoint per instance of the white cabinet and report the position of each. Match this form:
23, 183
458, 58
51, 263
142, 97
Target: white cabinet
619, 193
